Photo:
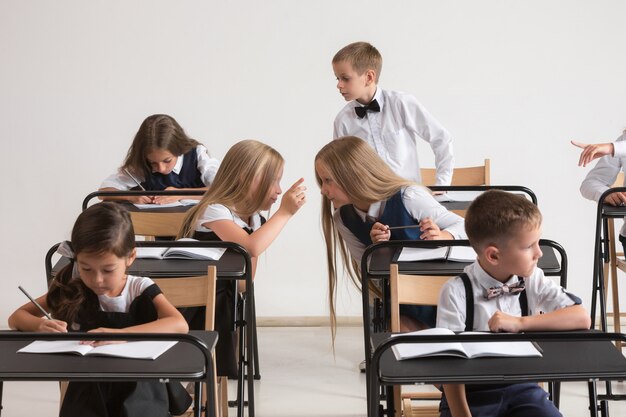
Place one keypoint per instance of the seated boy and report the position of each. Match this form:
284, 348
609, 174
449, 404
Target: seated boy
390, 121
504, 229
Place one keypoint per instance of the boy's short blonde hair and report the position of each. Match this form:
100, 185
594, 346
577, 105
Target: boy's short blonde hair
362, 56
496, 216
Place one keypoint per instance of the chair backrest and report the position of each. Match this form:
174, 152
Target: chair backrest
414, 290
478, 175
196, 291
619, 181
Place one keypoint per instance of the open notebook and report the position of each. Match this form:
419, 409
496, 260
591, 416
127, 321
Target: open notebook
468, 350
179, 203
180, 253
133, 350
449, 253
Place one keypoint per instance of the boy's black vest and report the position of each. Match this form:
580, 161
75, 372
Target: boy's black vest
188, 177
469, 303
394, 214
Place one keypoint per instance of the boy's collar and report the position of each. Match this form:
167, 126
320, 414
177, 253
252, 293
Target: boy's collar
487, 280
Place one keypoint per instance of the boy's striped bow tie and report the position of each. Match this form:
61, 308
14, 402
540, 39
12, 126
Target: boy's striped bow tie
495, 292
361, 111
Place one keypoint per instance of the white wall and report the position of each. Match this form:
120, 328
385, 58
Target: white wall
513, 81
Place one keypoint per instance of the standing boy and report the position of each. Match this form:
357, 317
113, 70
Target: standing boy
389, 121
510, 294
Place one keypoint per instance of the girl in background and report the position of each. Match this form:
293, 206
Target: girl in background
362, 198
247, 182
162, 157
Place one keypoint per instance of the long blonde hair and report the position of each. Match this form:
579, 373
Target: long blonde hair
365, 178
244, 163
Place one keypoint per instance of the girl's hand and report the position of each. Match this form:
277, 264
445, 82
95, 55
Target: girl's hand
166, 199
593, 151
141, 199
96, 343
430, 231
502, 322
52, 326
294, 198
380, 233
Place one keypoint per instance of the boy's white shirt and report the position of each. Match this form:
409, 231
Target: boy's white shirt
543, 294
393, 131
603, 174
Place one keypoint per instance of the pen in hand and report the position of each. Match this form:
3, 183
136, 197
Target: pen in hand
410, 226
45, 313
134, 179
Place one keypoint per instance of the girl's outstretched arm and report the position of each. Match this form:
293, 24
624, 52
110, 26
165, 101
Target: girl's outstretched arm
257, 242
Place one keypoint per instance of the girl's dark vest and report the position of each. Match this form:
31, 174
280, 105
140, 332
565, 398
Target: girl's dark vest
188, 177
394, 214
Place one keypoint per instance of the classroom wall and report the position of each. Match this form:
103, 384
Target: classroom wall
512, 81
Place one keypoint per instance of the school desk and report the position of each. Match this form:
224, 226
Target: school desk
235, 264
460, 207
567, 356
190, 359
378, 257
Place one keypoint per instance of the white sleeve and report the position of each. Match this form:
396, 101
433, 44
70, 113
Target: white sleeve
120, 181
619, 147
206, 165
603, 175
420, 204
339, 129
212, 213
421, 122
545, 295
355, 246
451, 306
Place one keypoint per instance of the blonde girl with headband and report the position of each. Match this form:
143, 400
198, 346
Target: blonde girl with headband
247, 183
361, 198
162, 157
95, 294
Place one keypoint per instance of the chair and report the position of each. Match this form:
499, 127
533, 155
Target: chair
198, 292
478, 175
415, 290
616, 261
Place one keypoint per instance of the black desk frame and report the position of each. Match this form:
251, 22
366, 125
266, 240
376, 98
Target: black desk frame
552, 369
88, 374
380, 321
138, 193
247, 339
602, 255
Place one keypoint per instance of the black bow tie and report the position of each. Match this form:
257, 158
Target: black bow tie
361, 111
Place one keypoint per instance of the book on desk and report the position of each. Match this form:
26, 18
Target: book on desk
447, 253
468, 350
201, 253
179, 203
133, 350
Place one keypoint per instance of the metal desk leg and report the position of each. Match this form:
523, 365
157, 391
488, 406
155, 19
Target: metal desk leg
593, 398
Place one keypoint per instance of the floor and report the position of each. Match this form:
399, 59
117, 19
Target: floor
300, 376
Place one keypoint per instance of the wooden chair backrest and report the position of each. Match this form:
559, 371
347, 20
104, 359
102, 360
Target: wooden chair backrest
412, 289
479, 175
196, 291
156, 224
